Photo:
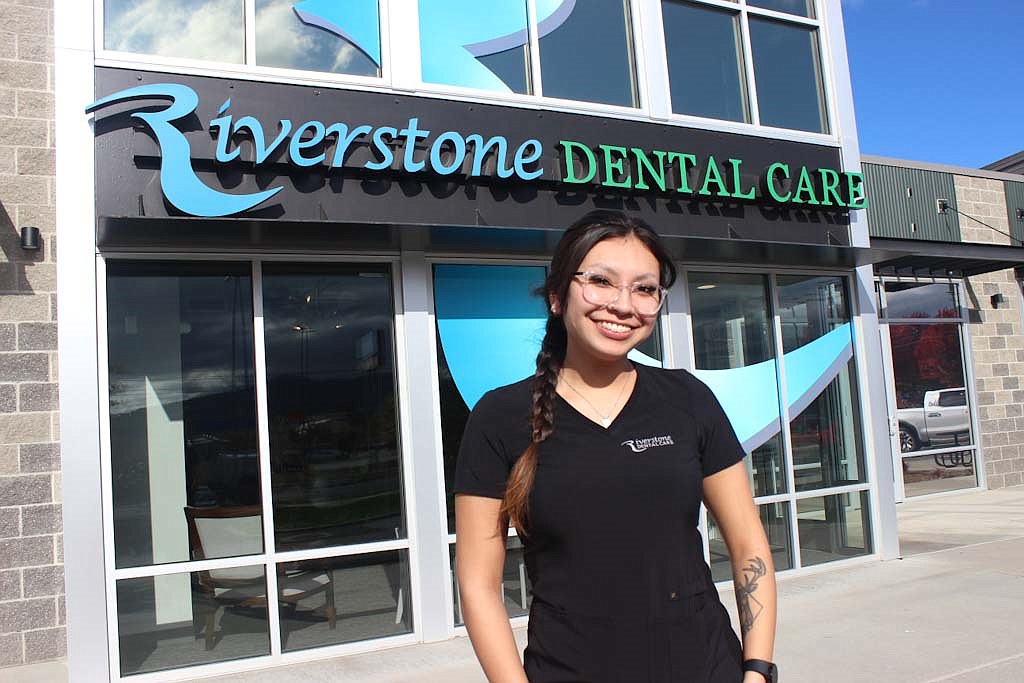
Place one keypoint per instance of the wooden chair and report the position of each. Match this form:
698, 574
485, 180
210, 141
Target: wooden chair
236, 531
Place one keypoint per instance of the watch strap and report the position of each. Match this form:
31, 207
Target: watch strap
766, 669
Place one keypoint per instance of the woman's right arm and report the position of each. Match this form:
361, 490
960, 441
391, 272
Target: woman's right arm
479, 563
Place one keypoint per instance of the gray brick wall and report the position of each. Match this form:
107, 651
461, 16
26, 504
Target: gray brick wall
997, 336
31, 569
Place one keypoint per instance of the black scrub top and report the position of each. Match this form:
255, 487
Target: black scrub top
613, 518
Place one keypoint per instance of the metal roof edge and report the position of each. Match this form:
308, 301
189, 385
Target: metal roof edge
942, 168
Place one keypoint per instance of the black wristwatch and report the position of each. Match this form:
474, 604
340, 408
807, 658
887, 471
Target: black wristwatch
766, 669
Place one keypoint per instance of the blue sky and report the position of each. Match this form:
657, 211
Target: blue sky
938, 80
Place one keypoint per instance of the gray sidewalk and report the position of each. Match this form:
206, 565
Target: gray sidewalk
942, 613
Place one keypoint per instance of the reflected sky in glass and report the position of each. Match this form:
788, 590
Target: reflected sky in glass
703, 62
283, 40
192, 29
786, 68
588, 58
800, 7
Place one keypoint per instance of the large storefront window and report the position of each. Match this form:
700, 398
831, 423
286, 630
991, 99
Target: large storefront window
188, 474
786, 349
930, 389
734, 347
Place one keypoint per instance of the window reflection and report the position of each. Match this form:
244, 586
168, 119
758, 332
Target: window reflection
833, 527
175, 620
704, 61
921, 300
951, 471
283, 39
192, 29
590, 56
331, 394
731, 330
825, 424
787, 69
344, 599
931, 394
182, 406
803, 8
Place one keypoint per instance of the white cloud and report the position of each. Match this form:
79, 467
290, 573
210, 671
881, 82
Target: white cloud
283, 40
178, 28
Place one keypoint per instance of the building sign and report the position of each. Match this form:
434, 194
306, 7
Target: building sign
406, 146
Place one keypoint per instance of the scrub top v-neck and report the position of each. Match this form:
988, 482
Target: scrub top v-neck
614, 553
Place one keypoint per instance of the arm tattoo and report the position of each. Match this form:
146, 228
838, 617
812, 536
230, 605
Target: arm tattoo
749, 606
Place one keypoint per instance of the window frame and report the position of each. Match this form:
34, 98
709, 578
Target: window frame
270, 558
400, 68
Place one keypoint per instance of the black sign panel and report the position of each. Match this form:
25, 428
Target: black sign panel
256, 155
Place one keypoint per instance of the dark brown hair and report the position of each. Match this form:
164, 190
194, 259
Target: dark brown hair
574, 246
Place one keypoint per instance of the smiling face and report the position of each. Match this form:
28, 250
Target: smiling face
605, 334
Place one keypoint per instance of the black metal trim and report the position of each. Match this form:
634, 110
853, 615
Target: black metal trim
941, 259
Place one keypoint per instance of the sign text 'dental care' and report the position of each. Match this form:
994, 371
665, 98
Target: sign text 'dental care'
407, 147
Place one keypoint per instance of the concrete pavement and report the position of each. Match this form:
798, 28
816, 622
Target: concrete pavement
943, 613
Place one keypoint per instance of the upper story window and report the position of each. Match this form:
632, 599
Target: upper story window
756, 63
557, 48
193, 29
734, 61
311, 35
319, 35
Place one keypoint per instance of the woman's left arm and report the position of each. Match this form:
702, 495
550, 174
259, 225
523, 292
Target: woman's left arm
727, 495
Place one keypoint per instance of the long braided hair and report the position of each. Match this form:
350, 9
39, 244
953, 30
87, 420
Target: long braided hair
576, 243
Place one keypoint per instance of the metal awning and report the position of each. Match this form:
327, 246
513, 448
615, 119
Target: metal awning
941, 259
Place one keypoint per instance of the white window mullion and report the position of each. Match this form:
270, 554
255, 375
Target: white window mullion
249, 11
787, 439
400, 44
533, 27
748, 65
266, 487
106, 468
652, 60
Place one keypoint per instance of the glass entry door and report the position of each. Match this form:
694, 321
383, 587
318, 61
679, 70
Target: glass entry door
254, 462
929, 389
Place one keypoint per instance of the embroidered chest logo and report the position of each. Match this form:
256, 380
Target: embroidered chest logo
641, 445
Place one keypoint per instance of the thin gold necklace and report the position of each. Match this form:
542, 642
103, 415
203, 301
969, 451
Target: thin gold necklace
606, 421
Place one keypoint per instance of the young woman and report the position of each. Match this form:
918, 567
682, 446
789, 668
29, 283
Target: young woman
601, 465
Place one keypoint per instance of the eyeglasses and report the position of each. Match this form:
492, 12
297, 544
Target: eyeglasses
598, 290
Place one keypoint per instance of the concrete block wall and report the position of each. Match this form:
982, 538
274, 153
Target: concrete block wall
31, 562
996, 335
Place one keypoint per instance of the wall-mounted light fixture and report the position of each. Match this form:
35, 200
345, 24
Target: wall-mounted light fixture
30, 238
1020, 214
942, 205
997, 299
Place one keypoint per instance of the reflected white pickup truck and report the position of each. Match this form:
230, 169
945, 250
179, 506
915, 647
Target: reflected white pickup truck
942, 421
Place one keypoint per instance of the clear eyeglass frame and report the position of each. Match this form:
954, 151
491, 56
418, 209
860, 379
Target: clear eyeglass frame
600, 294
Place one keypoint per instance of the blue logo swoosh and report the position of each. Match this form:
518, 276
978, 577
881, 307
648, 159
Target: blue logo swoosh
178, 180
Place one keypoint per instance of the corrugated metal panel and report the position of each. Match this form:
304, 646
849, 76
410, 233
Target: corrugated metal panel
1015, 203
902, 203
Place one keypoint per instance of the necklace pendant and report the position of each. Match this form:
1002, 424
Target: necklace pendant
606, 422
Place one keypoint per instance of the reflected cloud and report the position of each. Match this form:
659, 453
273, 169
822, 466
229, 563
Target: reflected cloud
283, 40
193, 29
